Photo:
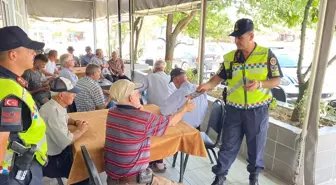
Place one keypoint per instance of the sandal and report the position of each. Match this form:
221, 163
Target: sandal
156, 169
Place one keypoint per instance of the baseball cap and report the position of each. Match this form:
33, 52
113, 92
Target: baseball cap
70, 48
14, 37
241, 27
88, 48
176, 72
121, 89
61, 84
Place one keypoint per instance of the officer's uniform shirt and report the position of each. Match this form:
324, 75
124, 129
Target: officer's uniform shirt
273, 66
25, 111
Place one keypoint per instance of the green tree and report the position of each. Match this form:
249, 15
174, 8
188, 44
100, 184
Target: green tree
217, 26
291, 14
138, 24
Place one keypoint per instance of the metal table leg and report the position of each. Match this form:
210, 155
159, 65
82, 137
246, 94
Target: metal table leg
185, 163
181, 167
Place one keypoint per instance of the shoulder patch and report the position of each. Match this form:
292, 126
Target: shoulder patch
21, 81
11, 102
273, 61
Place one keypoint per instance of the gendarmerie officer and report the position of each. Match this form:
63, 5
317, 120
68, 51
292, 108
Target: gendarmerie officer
250, 71
22, 130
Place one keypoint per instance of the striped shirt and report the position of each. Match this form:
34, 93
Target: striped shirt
127, 142
91, 95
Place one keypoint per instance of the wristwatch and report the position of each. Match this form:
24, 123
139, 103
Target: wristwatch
260, 85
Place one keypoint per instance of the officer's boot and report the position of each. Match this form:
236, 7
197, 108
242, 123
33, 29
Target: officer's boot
253, 179
219, 180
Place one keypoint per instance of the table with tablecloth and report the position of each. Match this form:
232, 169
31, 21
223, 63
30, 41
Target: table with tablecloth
181, 137
79, 71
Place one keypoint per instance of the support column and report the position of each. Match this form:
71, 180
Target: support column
324, 37
131, 21
108, 29
94, 24
119, 29
201, 42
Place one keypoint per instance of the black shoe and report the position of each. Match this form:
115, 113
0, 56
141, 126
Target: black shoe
253, 179
219, 180
254, 182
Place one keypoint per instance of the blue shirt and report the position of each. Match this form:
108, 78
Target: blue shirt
68, 74
86, 59
177, 99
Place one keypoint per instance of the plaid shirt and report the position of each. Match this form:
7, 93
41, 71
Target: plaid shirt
116, 66
91, 95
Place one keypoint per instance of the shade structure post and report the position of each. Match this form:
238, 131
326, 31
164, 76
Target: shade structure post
108, 29
131, 22
119, 28
202, 42
324, 36
94, 25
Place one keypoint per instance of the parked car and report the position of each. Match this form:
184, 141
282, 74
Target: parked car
186, 56
289, 82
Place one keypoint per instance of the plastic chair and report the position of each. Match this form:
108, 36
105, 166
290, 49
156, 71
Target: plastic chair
279, 94
91, 167
216, 122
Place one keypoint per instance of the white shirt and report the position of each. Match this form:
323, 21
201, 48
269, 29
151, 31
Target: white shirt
50, 67
158, 87
56, 119
177, 99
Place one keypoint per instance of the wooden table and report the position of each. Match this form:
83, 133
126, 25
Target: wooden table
79, 71
181, 137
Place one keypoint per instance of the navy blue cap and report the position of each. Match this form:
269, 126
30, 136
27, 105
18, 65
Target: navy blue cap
242, 26
61, 84
88, 48
176, 72
13, 37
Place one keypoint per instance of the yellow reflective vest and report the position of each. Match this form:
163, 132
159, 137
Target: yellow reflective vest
254, 68
35, 133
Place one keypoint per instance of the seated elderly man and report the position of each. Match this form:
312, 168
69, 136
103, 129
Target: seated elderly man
157, 84
67, 62
86, 59
58, 136
117, 67
100, 61
39, 89
91, 96
176, 99
128, 132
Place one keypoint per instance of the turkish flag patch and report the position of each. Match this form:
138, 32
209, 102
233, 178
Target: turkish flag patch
9, 102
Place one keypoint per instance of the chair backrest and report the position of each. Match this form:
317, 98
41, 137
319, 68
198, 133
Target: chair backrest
72, 107
279, 94
91, 167
216, 119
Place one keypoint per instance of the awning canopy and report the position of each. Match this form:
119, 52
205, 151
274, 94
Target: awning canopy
83, 9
